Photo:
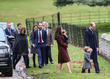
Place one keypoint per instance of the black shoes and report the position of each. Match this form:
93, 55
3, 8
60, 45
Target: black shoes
34, 66
40, 66
51, 62
97, 72
89, 71
28, 66
83, 71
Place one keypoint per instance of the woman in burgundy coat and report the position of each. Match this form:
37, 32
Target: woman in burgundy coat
63, 56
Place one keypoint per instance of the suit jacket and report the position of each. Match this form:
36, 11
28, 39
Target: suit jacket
90, 39
17, 32
8, 33
44, 38
49, 37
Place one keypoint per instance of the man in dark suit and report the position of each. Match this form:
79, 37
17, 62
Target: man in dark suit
19, 27
40, 43
10, 33
49, 43
91, 41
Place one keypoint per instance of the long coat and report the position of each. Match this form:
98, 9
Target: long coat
21, 45
63, 56
87, 64
90, 39
32, 42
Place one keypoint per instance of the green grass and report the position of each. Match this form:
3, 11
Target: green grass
50, 71
18, 10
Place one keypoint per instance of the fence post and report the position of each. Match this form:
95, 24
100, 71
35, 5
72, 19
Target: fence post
52, 21
27, 27
58, 17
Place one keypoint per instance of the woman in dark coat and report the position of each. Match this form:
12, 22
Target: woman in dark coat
21, 48
32, 42
63, 56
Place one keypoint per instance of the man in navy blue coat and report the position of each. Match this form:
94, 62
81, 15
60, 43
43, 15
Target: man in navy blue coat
9, 31
40, 43
91, 41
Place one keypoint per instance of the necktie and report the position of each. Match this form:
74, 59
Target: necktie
40, 37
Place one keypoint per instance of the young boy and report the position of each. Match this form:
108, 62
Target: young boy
87, 63
65, 36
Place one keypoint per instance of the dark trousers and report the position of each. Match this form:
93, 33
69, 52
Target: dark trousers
34, 59
41, 55
26, 60
14, 57
95, 61
48, 54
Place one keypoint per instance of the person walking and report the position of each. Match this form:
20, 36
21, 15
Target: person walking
40, 44
49, 43
10, 34
21, 48
63, 56
87, 62
91, 41
32, 42
19, 27
17, 32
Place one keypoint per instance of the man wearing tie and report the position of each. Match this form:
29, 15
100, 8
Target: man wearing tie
91, 41
40, 43
49, 43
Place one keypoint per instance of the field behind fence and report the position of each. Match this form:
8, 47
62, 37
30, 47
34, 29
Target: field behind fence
85, 17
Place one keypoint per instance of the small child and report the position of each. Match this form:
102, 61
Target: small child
65, 36
87, 63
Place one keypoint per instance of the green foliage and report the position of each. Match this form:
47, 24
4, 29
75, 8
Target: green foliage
86, 2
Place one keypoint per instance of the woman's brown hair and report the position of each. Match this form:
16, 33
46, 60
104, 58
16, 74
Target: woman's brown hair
33, 28
22, 30
58, 32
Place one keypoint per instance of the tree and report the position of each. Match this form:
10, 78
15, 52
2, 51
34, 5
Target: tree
60, 3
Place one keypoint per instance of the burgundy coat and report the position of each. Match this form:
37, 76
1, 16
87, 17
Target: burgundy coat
63, 56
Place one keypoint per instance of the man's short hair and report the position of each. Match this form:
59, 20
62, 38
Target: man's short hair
45, 23
19, 24
8, 23
91, 24
40, 23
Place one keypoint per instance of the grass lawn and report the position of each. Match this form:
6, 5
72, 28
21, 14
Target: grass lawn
18, 10
76, 54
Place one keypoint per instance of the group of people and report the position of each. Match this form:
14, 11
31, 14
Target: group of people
20, 44
41, 40
91, 49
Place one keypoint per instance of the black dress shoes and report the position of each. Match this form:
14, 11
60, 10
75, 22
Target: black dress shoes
34, 65
40, 66
28, 66
51, 62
